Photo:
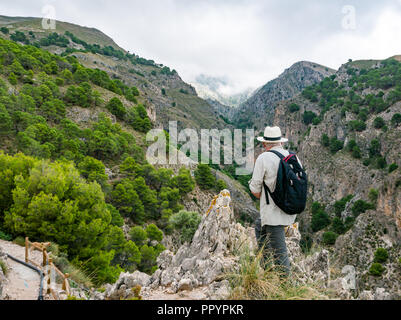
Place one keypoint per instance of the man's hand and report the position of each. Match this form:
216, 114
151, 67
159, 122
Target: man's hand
257, 195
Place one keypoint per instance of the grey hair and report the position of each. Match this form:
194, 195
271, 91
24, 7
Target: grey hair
272, 144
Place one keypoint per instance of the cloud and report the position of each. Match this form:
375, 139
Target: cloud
247, 42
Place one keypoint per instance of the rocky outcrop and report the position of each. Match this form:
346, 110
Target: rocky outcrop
210, 254
199, 264
258, 110
197, 269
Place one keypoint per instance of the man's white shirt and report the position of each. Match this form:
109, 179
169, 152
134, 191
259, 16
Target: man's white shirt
266, 168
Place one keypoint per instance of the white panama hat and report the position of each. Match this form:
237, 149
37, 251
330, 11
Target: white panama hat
272, 135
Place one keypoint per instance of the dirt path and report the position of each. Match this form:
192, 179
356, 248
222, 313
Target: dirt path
196, 294
23, 283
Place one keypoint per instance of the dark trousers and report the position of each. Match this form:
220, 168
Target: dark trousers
272, 240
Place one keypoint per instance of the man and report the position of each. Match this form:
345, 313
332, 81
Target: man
270, 229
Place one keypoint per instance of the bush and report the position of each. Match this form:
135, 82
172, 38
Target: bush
357, 125
5, 30
138, 235
154, 233
374, 149
320, 219
396, 119
329, 238
325, 140
361, 206
339, 206
293, 107
335, 145
12, 79
186, 223
116, 107
5, 236
381, 255
381, 163
221, 185
378, 123
373, 195
392, 167
338, 226
204, 177
376, 269
308, 117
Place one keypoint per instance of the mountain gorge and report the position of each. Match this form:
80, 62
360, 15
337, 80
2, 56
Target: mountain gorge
346, 130
74, 111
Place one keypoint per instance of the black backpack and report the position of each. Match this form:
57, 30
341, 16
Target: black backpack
291, 185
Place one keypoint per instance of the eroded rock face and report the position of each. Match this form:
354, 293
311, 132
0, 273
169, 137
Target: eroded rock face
211, 252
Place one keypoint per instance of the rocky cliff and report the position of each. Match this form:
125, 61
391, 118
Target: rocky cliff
258, 110
363, 172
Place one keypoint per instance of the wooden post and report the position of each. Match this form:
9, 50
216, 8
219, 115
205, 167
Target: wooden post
64, 287
26, 249
44, 257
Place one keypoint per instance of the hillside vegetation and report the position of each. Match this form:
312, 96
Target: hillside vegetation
53, 169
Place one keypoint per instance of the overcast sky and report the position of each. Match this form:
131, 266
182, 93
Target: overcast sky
247, 42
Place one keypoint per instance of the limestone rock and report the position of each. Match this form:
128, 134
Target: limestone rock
122, 289
211, 252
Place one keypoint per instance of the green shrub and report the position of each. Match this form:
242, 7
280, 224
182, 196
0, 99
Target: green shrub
12, 79
320, 219
361, 206
204, 177
381, 163
396, 119
378, 123
5, 236
392, 167
376, 269
329, 238
325, 140
221, 185
335, 145
381, 255
116, 107
374, 149
338, 226
186, 223
138, 235
293, 107
5, 30
357, 125
373, 196
308, 117
154, 233
339, 206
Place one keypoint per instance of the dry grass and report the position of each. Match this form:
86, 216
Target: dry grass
255, 280
3, 267
78, 276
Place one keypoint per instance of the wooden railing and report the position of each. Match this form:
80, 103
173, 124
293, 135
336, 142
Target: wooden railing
47, 267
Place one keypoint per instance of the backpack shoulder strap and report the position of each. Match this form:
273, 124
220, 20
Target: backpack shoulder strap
278, 154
